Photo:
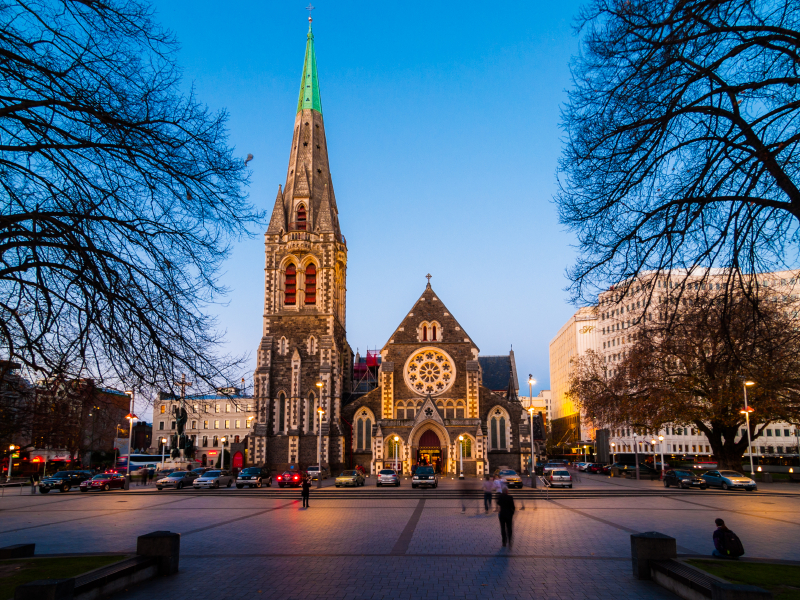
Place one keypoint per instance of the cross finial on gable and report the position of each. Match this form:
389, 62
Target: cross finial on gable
429, 278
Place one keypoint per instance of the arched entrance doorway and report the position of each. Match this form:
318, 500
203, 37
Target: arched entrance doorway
430, 451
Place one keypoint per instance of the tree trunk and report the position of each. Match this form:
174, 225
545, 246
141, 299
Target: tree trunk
727, 451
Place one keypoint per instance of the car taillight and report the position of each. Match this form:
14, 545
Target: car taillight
279, 477
296, 477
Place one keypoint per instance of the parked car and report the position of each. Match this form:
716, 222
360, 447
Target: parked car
606, 470
255, 477
290, 479
729, 480
424, 476
511, 478
581, 466
390, 477
177, 479
559, 464
104, 482
684, 479
213, 479
317, 472
200, 470
349, 478
63, 481
630, 470
559, 478
594, 468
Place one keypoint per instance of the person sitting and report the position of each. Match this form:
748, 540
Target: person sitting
726, 543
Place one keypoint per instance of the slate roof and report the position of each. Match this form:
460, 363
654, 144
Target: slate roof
496, 370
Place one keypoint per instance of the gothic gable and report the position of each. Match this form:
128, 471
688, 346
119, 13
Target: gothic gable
431, 310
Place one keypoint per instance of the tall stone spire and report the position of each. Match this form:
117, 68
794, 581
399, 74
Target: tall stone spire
308, 180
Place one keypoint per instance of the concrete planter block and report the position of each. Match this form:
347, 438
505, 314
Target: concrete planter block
45, 589
649, 546
732, 591
766, 477
17, 551
164, 545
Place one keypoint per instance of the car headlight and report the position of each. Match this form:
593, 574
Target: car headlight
686, 481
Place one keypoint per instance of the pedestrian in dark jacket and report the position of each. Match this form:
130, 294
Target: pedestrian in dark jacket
306, 490
505, 502
726, 543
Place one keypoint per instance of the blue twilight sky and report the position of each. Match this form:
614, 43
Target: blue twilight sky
442, 120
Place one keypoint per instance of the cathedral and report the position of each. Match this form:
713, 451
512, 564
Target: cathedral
430, 405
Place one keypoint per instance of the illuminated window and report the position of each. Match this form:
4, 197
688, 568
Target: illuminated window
466, 447
163, 409
216, 424
290, 287
311, 284
227, 424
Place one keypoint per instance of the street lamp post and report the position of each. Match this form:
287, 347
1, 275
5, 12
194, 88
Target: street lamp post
747, 410
320, 411
461, 456
661, 444
396, 451
163, 447
11, 449
636, 454
222, 452
131, 417
613, 453
533, 452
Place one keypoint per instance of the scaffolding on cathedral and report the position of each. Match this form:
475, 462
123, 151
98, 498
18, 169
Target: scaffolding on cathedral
365, 372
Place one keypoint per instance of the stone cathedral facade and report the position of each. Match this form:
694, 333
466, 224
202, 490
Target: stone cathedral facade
303, 360
430, 406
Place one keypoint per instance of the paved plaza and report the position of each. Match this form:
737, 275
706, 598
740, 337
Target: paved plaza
369, 543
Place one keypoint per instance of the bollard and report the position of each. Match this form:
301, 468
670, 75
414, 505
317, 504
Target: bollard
45, 589
649, 546
164, 545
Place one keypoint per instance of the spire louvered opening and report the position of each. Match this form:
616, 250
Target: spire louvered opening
290, 289
311, 284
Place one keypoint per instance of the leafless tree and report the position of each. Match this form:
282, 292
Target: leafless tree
682, 141
689, 370
120, 198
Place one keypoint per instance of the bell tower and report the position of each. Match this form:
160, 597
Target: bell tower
303, 361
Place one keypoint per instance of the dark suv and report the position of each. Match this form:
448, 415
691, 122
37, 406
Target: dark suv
63, 481
254, 477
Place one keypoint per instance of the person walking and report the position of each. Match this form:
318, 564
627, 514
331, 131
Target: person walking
506, 503
306, 490
488, 488
497, 483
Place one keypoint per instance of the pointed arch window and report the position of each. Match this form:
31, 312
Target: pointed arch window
290, 296
450, 411
466, 447
281, 413
364, 432
460, 410
311, 284
424, 333
433, 333
401, 410
499, 434
301, 217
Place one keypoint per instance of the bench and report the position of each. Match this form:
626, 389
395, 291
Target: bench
794, 476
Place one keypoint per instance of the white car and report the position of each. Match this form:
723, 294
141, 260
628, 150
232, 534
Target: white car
317, 472
214, 479
581, 466
559, 478
176, 479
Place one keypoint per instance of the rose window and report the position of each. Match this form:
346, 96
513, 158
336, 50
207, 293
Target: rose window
429, 371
